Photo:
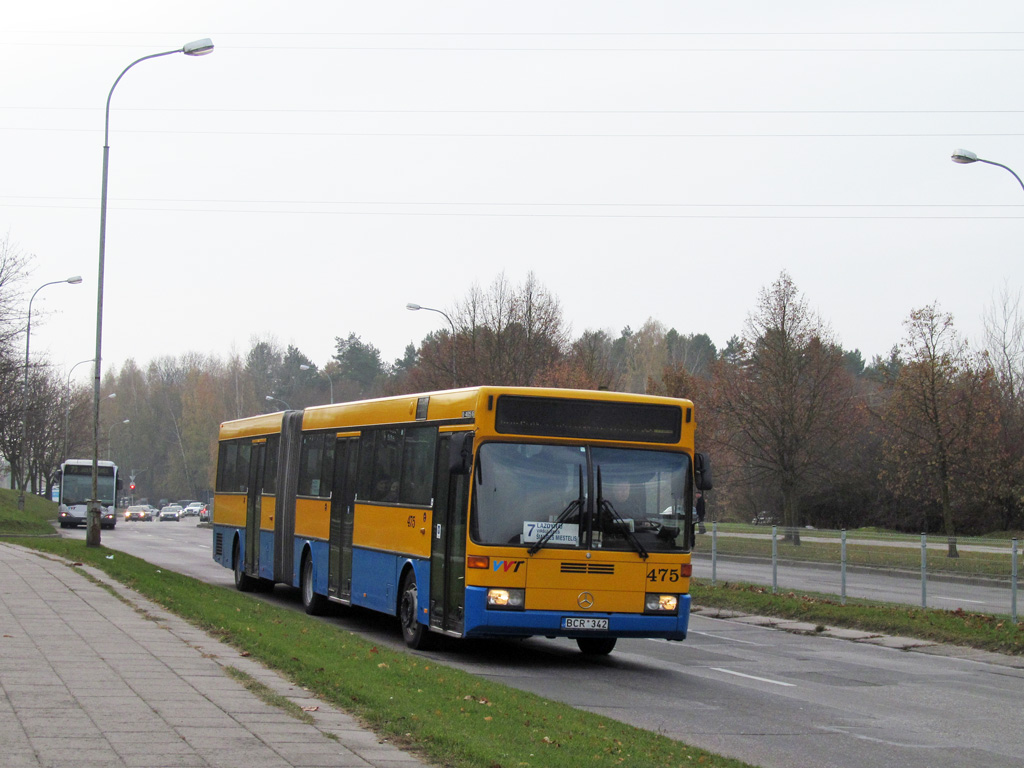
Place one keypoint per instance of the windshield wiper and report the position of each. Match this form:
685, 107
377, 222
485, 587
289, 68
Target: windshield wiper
576, 505
603, 505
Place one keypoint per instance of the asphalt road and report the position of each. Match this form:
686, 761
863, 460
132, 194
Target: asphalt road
769, 697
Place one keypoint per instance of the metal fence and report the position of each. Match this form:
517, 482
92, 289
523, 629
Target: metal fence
985, 563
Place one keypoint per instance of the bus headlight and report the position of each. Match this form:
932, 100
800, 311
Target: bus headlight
504, 599
655, 603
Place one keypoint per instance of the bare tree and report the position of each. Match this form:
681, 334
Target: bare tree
781, 405
510, 335
1004, 342
1004, 348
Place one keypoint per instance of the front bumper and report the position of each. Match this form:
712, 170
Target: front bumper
481, 622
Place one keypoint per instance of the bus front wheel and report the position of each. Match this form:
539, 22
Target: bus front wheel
596, 646
416, 635
315, 604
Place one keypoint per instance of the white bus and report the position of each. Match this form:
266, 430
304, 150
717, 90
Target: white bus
76, 490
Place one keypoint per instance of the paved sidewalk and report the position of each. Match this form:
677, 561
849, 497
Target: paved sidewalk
87, 680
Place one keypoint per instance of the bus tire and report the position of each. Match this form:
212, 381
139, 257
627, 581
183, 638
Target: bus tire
315, 604
243, 582
416, 635
596, 646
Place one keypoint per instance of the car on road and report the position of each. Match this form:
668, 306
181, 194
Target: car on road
763, 518
206, 513
171, 512
193, 509
138, 512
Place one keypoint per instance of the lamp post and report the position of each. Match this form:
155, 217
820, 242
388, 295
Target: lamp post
92, 531
965, 157
416, 307
330, 382
110, 438
278, 400
24, 390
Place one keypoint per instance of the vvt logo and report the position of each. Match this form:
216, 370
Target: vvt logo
508, 565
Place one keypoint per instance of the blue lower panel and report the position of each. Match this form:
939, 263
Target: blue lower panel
481, 622
226, 534
375, 579
266, 570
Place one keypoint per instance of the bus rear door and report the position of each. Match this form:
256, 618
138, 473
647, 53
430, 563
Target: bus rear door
339, 576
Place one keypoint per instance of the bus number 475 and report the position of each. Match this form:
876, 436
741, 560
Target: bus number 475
663, 574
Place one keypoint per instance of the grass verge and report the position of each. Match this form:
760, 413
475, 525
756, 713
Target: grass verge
34, 520
975, 630
450, 717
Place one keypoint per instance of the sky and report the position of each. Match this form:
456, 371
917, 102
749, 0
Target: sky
331, 162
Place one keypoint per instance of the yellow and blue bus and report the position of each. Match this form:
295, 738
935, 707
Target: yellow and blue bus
478, 512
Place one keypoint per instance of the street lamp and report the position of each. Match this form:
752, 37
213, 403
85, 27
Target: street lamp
110, 438
279, 400
965, 157
416, 307
304, 367
24, 391
92, 531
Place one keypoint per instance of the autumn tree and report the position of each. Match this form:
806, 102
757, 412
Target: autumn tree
782, 404
587, 365
937, 418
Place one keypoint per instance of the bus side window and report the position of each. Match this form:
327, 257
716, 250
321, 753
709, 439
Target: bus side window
418, 465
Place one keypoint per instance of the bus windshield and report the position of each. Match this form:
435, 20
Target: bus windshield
595, 497
76, 485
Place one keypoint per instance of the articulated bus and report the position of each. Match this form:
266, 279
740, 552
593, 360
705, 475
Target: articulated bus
479, 512
76, 490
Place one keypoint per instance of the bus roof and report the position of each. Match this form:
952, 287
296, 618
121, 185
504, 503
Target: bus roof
87, 462
453, 405
264, 424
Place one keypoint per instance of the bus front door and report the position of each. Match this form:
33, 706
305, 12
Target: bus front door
254, 509
448, 546
339, 576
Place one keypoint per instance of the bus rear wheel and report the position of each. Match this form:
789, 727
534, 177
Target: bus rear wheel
416, 635
315, 604
596, 646
243, 582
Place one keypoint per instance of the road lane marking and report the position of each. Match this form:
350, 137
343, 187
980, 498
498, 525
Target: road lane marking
724, 637
959, 600
752, 677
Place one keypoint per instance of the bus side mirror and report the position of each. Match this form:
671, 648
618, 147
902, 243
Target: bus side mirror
702, 469
120, 484
460, 453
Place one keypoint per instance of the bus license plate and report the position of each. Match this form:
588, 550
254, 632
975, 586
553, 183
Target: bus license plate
574, 622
